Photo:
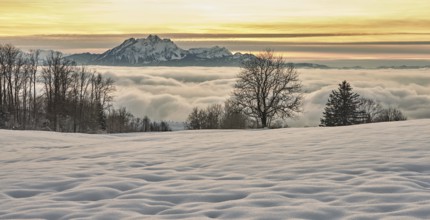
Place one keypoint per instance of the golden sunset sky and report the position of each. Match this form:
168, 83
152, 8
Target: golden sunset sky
388, 23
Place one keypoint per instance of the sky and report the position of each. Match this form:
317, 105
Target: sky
302, 29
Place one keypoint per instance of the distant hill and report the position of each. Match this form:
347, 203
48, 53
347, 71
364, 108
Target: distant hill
403, 67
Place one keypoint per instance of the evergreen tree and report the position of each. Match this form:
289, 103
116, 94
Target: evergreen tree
342, 107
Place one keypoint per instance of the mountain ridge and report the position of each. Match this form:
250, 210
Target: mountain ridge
154, 51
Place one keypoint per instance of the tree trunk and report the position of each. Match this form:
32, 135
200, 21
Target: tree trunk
1, 92
57, 123
34, 100
264, 121
24, 106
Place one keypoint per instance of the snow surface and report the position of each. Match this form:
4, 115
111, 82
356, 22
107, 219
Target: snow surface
375, 171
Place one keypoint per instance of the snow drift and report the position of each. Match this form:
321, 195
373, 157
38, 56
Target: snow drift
359, 172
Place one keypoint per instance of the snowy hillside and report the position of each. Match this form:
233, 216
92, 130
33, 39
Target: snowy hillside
374, 171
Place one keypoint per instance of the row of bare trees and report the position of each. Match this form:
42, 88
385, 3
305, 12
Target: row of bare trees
76, 99
56, 96
374, 111
19, 104
217, 116
121, 121
59, 96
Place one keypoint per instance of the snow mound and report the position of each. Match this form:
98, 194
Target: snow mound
376, 171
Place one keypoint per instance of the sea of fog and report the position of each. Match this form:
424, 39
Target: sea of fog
169, 93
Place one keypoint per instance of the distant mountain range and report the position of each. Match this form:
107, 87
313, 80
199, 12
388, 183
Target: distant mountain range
154, 51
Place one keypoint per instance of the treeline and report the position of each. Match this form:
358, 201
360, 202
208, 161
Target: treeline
60, 96
217, 116
121, 121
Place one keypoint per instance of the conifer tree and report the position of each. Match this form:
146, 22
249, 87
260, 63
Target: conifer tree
342, 107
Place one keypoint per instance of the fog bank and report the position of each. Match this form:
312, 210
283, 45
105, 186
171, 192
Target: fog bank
169, 93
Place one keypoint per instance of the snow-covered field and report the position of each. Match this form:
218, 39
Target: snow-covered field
358, 172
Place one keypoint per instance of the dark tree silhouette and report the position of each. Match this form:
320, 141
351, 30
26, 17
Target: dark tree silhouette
390, 114
342, 107
371, 109
196, 119
216, 116
375, 112
267, 88
71, 99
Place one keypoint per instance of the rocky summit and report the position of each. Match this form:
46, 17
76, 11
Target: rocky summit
154, 51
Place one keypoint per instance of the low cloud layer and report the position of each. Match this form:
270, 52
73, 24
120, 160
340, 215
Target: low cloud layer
169, 93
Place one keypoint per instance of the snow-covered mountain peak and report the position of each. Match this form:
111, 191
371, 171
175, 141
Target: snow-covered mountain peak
145, 50
153, 38
128, 42
154, 50
210, 53
155, 41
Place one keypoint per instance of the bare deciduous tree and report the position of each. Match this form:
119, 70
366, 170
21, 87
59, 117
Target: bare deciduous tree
56, 76
267, 88
213, 116
391, 114
196, 119
33, 64
371, 109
